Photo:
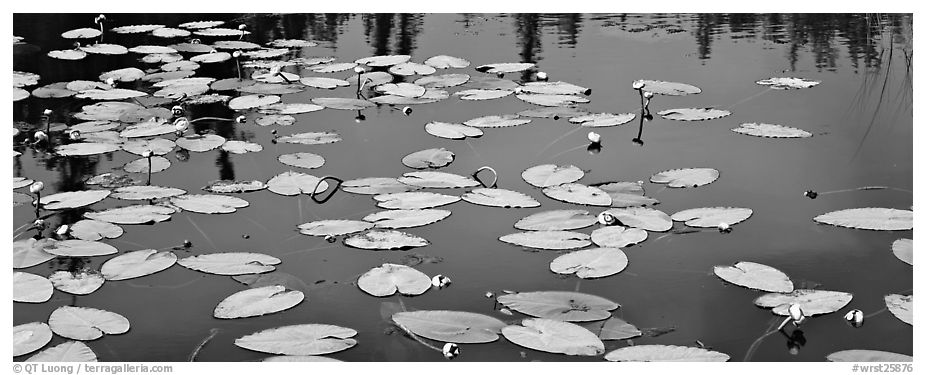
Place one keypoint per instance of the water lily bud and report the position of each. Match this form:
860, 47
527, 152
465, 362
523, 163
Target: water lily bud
605, 218
236, 54
40, 136
506, 311
242, 26
241, 119
724, 228
330, 238
407, 110
855, 318
637, 85
38, 224
594, 137
187, 244
181, 125
451, 350
541, 76
47, 112
146, 154
797, 315
489, 294
647, 94
110, 82
62, 230
810, 194
74, 135
440, 281
36, 187
358, 69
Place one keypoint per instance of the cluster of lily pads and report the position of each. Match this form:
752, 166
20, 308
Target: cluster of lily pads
144, 112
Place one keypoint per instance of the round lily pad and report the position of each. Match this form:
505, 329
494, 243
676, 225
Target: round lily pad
141, 165
209, 203
430, 158
84, 323
396, 219
85, 148
389, 279
693, 114
504, 67
560, 305
548, 239
755, 276
591, 263
376, 185
547, 175
310, 138
324, 228
597, 120
548, 100
413, 200
294, 183
771, 131
138, 214
431, 179
480, 94
349, 104
30, 337
618, 236
813, 302
557, 220
69, 351
578, 194
712, 217
229, 186
688, 177
451, 131
384, 240
643, 218
257, 302
494, 197
442, 81
302, 159
668, 88
626, 194
31, 252
241, 147
446, 62
554, 336
302, 339
31, 288
901, 306
903, 250
554, 88
78, 283
665, 353
787, 83
73, 199
230, 263
871, 218
450, 326
385, 60
496, 121
93, 230
200, 143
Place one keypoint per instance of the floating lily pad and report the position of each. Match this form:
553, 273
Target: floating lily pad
504, 67
294, 183
813, 302
220, 31
200, 143
554, 88
626, 194
271, 88
451, 131
430, 158
548, 239
862, 355
85, 148
170, 32
598, 120
105, 49
292, 43
693, 114
147, 129
180, 65
137, 264
211, 57
903, 250
282, 120
157, 146
771, 131
79, 283
73, 199
274, 77
68, 54
82, 33
548, 100
140, 165
554, 336
413, 200
901, 306
302, 160
111, 180
496, 121
442, 81
668, 88
787, 83
209, 203
138, 214
148, 49
31, 288
161, 58
230, 264
665, 353
384, 240
578, 194
376, 185
755, 276
557, 220
30, 337
228, 186
396, 219
31, 252
333, 67
70, 351
491, 83
257, 302
252, 101
591, 263
547, 175
201, 24
500, 198
21, 182
446, 62
135, 29
323, 82
712, 217
403, 100
311, 138
79, 248
642, 218
450, 326
241, 147
54, 90
343, 103
23, 79
871, 218
389, 278
616, 329
324, 228
146, 192
553, 112
618, 236
110, 111
93, 230
405, 89
302, 339
431, 179
411, 68
96, 126
19, 94
386, 60
480, 94
84, 323
688, 177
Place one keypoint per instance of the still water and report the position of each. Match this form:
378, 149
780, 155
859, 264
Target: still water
860, 115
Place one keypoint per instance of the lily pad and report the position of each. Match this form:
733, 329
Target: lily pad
282, 120
349, 104
598, 120
504, 67
771, 131
665, 353
618, 236
294, 183
553, 112
413, 200
230, 264
209, 203
54, 90
105, 49
491, 83
755, 276
411, 68
302, 160
21, 182
871, 218
170, 32
220, 31
430, 179
903, 250
376, 185
93, 230
138, 214
554, 336
73, 199
31, 252
229, 186
109, 111
787, 83
578, 194
500, 198
257, 302
147, 129
85, 149
863, 355
333, 67
311, 138
446, 62
324, 228
547, 175
200, 143
430, 158
668, 88
813, 302
496, 121
262, 88
68, 54
292, 43
557, 220
385, 60
480, 94
396, 219
450, 326
82, 33
712, 217
442, 81
252, 101
642, 218
693, 114
548, 239
80, 248
301, 339
616, 329
901, 306
149, 49
211, 57
84, 323
554, 88
180, 65
201, 24
69, 351
156, 146
135, 29
385, 240
548, 100
323, 82
626, 194
30, 337
79, 283
451, 131
688, 177
140, 165
405, 89
370, 79
389, 278
241, 147
146, 192
31, 288
591, 263
137, 264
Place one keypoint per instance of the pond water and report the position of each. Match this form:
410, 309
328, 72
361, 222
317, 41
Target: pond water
860, 116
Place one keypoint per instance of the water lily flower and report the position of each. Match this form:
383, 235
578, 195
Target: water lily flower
796, 314
451, 350
38, 224
241, 119
36, 187
181, 124
542, 76
358, 69
638, 85
146, 154
407, 110
594, 137
489, 294
187, 244
111, 82
62, 231
855, 318
47, 112
440, 281
605, 218
74, 135
724, 228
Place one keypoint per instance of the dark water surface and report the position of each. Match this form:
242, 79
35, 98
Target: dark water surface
861, 117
